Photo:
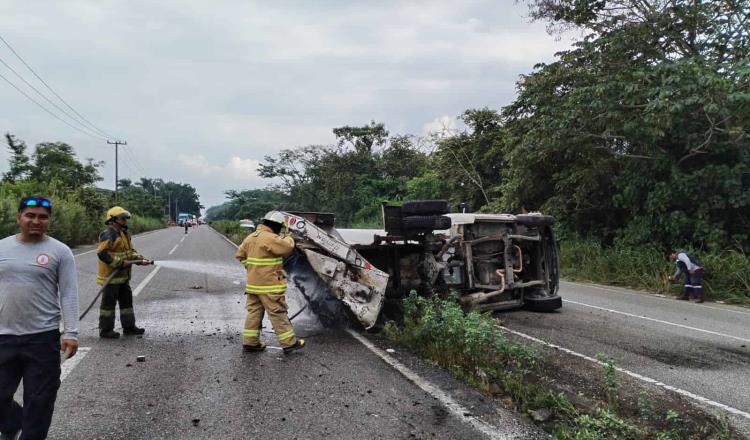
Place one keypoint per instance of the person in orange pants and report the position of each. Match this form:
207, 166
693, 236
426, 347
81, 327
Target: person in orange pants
263, 252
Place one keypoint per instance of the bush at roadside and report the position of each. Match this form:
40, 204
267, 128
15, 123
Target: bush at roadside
473, 349
231, 229
727, 275
72, 222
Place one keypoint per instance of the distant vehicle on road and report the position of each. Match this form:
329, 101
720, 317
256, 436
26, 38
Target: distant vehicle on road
182, 218
247, 224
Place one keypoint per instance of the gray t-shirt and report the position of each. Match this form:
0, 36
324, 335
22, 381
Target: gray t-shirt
37, 282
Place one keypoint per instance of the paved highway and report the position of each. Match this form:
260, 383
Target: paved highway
196, 382
703, 350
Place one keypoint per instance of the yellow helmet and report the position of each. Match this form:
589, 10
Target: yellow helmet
275, 216
116, 211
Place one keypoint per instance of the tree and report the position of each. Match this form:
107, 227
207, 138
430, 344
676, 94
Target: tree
56, 161
470, 160
19, 161
634, 133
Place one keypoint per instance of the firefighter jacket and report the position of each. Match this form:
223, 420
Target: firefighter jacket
262, 253
114, 248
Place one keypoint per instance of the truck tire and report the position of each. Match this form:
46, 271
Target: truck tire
427, 222
543, 303
425, 207
534, 220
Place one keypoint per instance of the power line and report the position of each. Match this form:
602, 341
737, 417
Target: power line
45, 108
103, 133
49, 100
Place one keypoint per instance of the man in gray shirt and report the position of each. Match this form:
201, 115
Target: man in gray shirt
38, 283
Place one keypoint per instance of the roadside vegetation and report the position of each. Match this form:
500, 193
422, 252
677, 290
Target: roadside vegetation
524, 378
646, 267
230, 229
636, 139
79, 207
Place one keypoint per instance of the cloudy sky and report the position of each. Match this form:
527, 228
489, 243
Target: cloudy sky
203, 90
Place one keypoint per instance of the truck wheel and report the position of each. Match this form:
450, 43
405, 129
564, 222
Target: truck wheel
535, 220
428, 222
543, 303
425, 207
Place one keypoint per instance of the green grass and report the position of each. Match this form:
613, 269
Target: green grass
231, 229
727, 275
472, 348
71, 222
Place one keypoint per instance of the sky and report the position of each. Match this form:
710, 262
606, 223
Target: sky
202, 91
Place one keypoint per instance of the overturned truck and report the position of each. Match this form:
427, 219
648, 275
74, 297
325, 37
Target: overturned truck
487, 261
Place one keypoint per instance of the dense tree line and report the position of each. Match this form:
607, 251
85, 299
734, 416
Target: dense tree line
54, 170
639, 134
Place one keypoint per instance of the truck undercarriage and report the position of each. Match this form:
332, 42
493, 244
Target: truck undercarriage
487, 261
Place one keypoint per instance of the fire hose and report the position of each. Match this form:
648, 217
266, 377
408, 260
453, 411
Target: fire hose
107, 281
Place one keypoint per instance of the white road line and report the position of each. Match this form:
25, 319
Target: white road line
71, 363
652, 296
183, 239
84, 253
659, 321
641, 377
145, 281
174, 249
225, 238
454, 407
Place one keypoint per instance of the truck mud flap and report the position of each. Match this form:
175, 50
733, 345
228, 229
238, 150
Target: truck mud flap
543, 303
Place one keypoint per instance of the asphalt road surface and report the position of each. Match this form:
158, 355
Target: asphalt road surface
700, 349
197, 383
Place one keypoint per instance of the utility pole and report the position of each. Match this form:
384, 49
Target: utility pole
169, 205
117, 177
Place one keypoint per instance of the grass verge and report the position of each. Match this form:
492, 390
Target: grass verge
473, 349
727, 275
231, 229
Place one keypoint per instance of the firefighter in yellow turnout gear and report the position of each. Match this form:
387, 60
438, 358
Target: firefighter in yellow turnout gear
263, 252
115, 251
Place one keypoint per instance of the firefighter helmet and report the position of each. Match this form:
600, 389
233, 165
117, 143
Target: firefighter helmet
116, 212
275, 216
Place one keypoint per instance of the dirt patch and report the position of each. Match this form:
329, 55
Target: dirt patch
640, 403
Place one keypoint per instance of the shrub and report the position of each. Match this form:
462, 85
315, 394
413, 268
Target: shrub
727, 273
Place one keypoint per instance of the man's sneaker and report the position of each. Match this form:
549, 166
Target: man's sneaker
254, 348
299, 344
134, 331
109, 334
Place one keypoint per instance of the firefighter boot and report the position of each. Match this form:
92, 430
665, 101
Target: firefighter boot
109, 334
133, 331
297, 345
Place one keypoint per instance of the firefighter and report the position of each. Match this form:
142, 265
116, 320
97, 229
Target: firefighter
115, 254
262, 253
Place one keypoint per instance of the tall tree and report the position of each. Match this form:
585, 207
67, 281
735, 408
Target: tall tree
19, 165
56, 161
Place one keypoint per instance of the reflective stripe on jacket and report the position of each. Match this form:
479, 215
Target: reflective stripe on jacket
114, 248
262, 253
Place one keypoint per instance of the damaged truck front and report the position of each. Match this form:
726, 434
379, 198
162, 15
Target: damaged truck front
487, 261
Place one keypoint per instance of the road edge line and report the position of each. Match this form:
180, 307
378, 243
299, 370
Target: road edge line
632, 315
145, 281
648, 294
696, 397
454, 407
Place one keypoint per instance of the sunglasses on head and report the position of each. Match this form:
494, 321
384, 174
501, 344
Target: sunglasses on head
31, 202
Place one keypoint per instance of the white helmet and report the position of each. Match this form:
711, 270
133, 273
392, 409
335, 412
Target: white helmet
275, 216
